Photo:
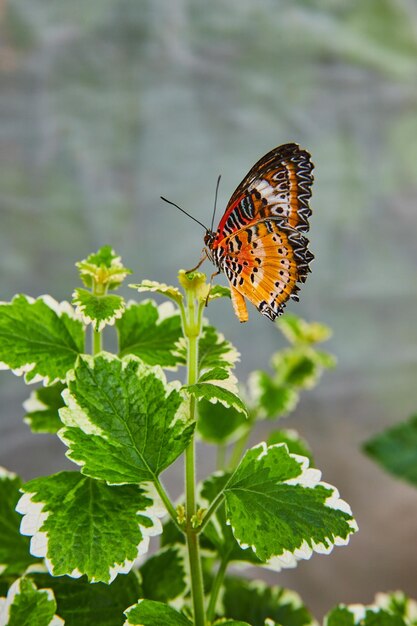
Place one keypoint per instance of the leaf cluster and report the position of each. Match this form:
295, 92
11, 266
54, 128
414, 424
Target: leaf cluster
124, 423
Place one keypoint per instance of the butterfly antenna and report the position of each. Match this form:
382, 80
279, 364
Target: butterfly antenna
182, 210
215, 202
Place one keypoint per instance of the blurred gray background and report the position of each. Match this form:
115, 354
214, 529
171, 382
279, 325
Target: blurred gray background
105, 105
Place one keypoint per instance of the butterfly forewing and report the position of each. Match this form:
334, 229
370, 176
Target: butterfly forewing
259, 243
278, 185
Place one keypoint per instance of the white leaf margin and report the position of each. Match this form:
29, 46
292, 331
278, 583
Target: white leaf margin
110, 320
179, 601
228, 385
309, 478
15, 590
34, 517
184, 619
385, 601
59, 308
72, 415
6, 474
358, 611
154, 286
286, 597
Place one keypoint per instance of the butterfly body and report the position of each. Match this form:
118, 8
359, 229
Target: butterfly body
260, 243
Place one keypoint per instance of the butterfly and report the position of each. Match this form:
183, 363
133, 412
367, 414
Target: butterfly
260, 242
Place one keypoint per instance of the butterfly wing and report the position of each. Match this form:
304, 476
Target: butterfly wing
263, 263
278, 185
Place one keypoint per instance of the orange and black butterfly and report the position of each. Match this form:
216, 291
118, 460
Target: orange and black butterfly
260, 242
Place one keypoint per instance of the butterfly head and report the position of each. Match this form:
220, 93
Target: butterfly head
209, 238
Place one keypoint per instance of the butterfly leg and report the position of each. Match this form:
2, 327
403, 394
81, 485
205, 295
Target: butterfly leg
211, 280
239, 304
201, 261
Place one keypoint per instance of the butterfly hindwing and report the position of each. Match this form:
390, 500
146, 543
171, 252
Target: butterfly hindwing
263, 263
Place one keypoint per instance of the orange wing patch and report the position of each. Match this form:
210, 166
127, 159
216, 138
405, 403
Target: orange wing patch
264, 262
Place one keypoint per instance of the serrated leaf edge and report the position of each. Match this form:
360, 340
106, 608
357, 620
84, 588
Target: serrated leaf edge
228, 384
34, 517
14, 590
162, 288
309, 478
59, 308
82, 421
6, 474
180, 600
110, 320
287, 597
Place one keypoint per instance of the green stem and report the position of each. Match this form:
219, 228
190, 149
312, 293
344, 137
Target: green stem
168, 504
239, 448
192, 328
212, 508
97, 341
221, 457
217, 585
97, 290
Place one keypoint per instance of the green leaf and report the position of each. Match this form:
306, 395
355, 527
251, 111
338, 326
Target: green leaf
166, 290
164, 575
125, 423
103, 268
297, 330
39, 338
342, 616
27, 606
218, 385
359, 615
296, 368
98, 310
324, 359
14, 548
220, 424
396, 450
293, 441
151, 333
215, 351
301, 367
217, 531
398, 603
256, 602
218, 291
150, 613
277, 506
271, 399
83, 604
83, 526
42, 409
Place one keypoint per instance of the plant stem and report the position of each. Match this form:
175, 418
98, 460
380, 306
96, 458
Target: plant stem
239, 448
166, 500
221, 457
192, 328
217, 584
97, 341
212, 508
97, 290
